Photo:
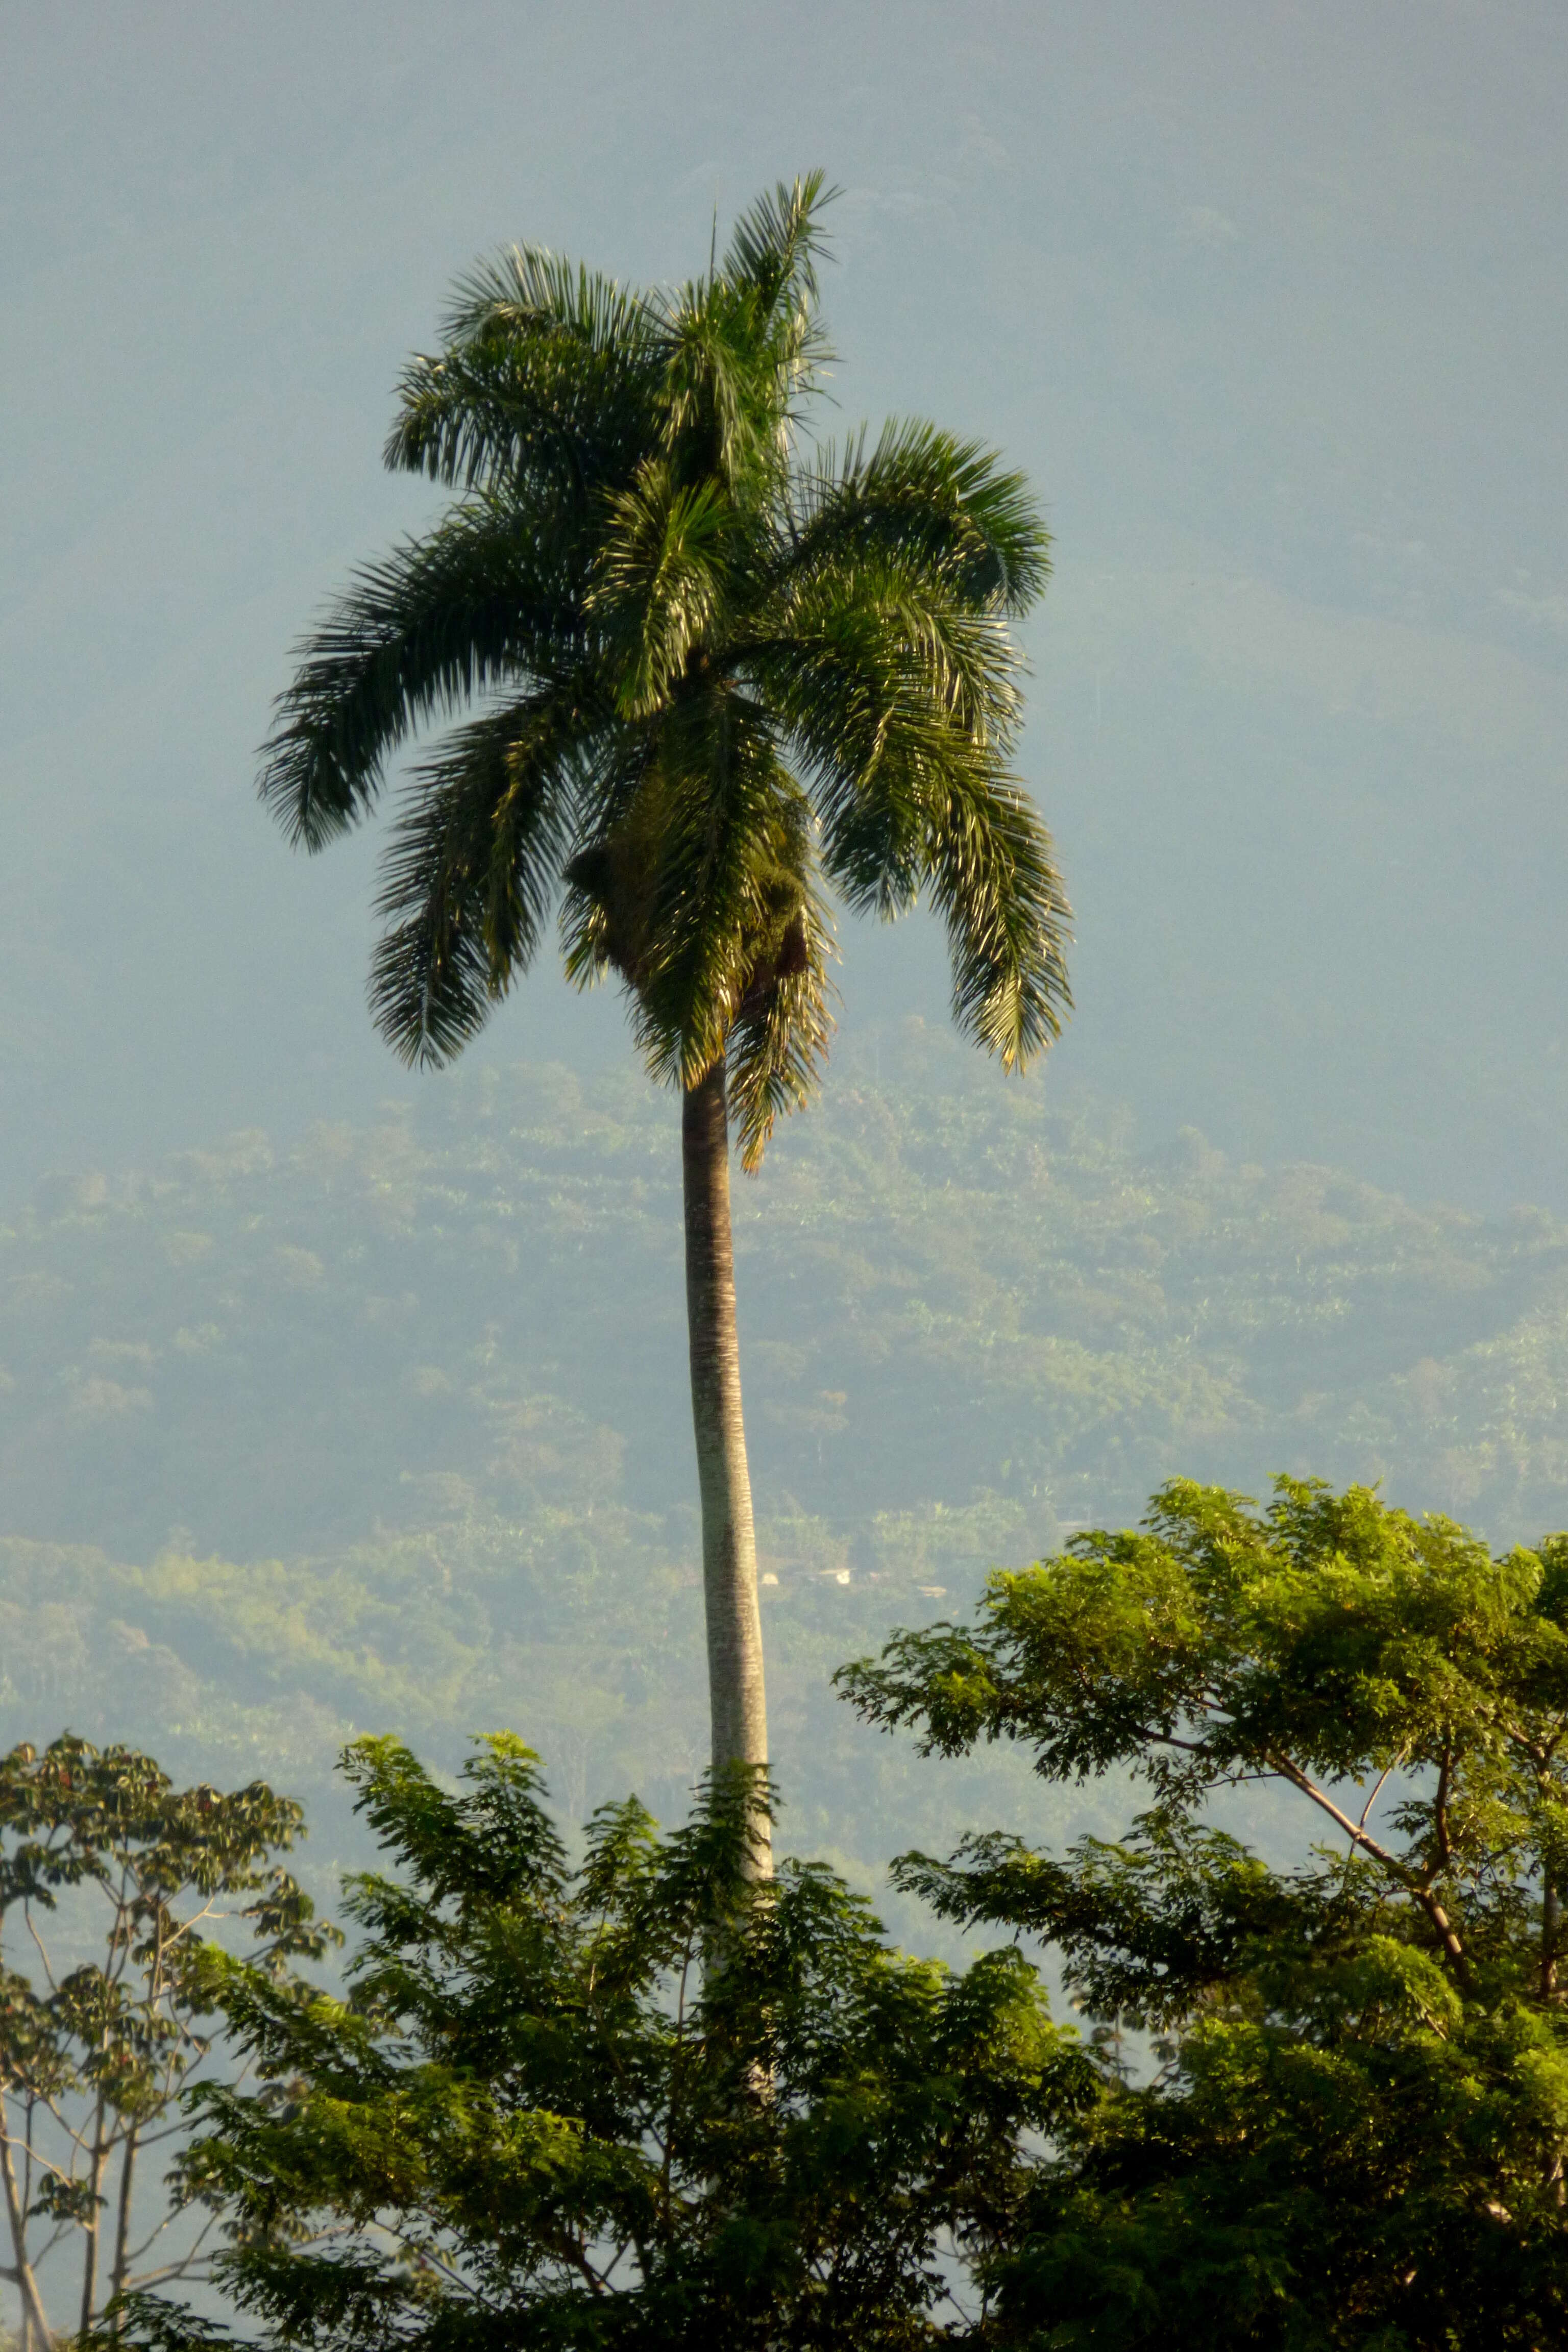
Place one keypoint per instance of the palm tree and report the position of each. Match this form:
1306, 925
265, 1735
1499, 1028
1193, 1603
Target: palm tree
710, 674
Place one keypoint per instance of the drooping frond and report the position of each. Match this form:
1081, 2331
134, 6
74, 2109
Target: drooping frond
549, 377
895, 692
779, 1035
477, 603
699, 890
929, 503
659, 583
473, 868
604, 913
892, 668
714, 897
994, 879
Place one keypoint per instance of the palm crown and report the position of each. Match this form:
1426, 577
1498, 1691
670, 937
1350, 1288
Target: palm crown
715, 671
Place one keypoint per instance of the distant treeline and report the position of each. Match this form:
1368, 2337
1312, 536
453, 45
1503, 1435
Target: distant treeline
951, 1286
298, 1444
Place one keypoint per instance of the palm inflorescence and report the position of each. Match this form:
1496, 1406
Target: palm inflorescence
708, 673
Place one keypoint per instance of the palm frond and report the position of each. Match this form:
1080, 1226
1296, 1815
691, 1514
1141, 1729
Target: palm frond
477, 603
473, 868
782, 1028
609, 879
526, 289
993, 878
550, 376
893, 695
660, 582
897, 684
771, 265
929, 504
905, 630
776, 1058
729, 819
721, 419
745, 344
777, 243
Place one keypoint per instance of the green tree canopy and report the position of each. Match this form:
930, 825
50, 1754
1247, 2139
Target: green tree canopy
1358, 2131
653, 2101
646, 2101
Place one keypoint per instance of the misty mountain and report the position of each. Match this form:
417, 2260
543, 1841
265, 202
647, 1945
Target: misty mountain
387, 1427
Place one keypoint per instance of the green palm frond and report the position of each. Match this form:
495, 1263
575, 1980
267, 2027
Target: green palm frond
924, 500
476, 605
744, 347
549, 378
731, 822
892, 697
780, 1033
660, 582
526, 291
721, 419
536, 416
995, 881
473, 868
777, 243
606, 909
746, 676
772, 256
777, 1053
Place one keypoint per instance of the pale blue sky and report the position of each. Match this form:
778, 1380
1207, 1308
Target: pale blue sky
1268, 299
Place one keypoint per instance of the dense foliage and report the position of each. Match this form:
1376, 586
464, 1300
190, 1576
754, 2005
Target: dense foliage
1359, 2129
625, 2094
646, 2101
719, 673
113, 1887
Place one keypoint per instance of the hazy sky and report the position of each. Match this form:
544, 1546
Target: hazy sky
1269, 300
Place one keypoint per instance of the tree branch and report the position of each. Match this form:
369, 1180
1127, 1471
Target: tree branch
16, 2217
1397, 1869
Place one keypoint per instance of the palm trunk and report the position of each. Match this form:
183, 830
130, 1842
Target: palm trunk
736, 1700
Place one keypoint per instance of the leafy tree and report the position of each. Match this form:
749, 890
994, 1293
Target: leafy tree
1357, 2132
93, 2055
540, 2120
719, 675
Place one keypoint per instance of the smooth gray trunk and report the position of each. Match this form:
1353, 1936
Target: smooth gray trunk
35, 2321
735, 1691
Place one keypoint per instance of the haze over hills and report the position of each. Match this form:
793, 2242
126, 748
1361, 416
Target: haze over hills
387, 1428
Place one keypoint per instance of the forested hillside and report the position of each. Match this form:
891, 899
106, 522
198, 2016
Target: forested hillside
388, 1428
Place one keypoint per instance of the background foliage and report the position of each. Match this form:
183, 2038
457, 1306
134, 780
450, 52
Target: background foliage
115, 1892
386, 1429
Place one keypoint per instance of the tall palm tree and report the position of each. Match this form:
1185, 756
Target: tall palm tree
711, 674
